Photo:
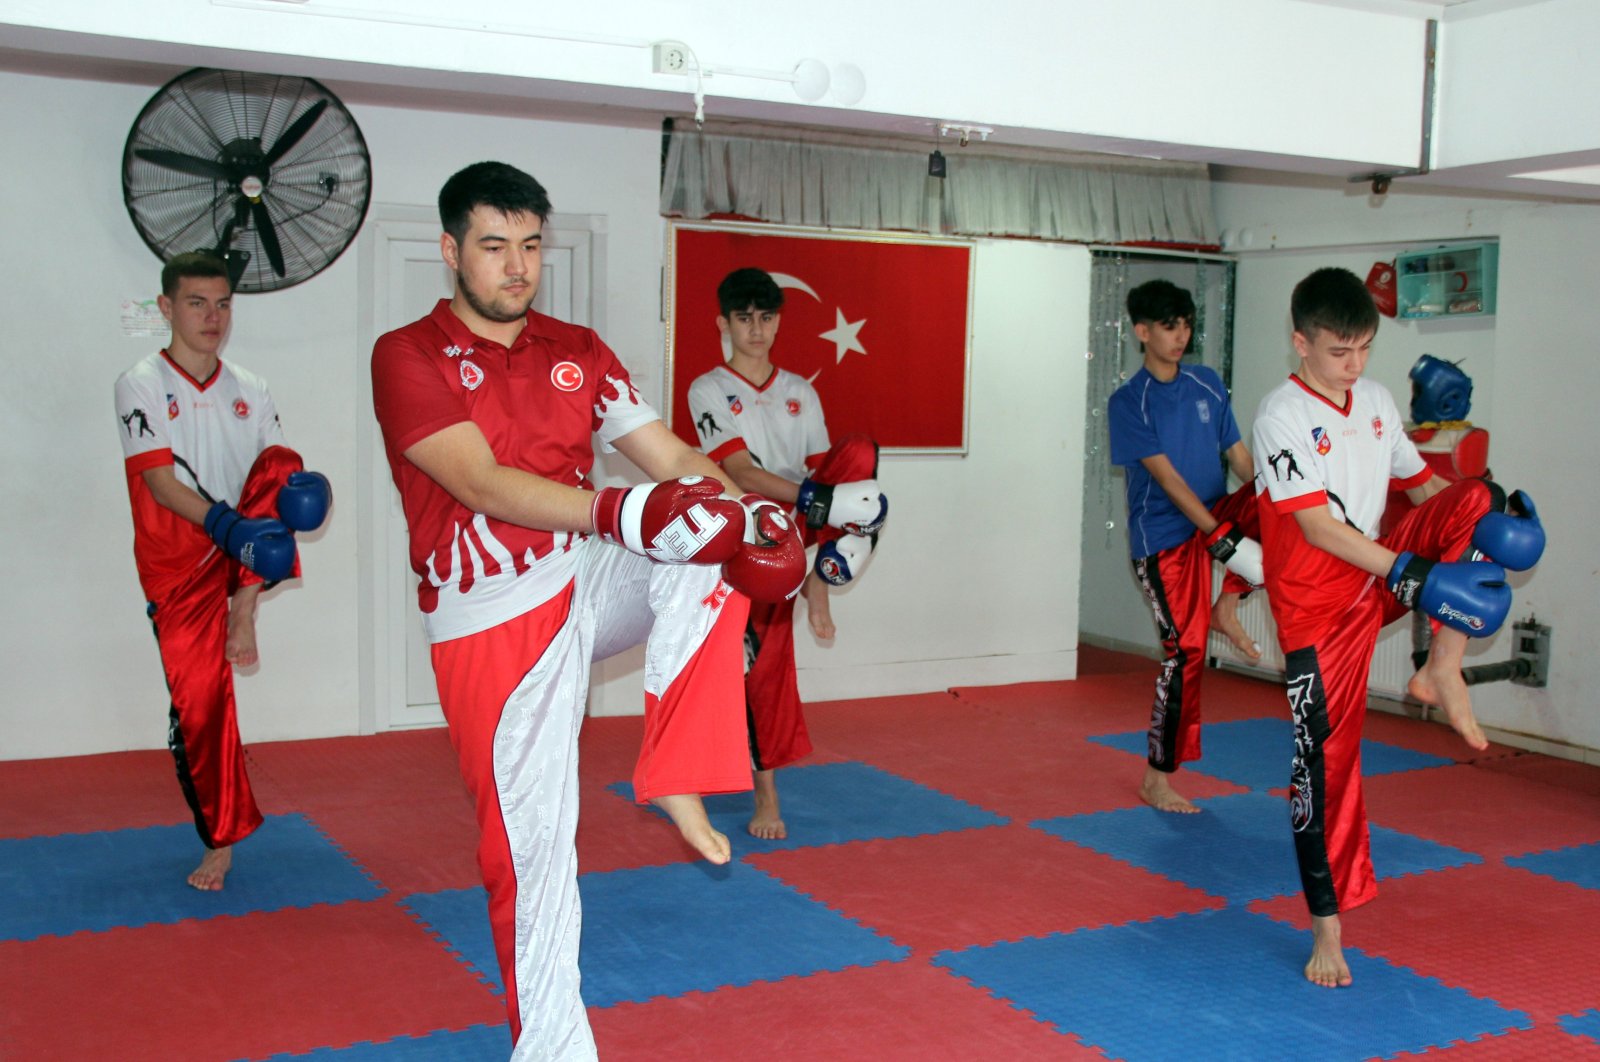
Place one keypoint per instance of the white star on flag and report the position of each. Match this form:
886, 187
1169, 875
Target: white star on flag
843, 336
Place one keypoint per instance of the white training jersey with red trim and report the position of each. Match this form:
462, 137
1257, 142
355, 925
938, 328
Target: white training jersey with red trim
210, 432
780, 423
539, 404
1309, 452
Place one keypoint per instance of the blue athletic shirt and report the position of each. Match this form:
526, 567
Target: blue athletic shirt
1189, 420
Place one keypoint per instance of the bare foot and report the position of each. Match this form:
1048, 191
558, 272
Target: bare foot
1327, 966
240, 648
1157, 791
765, 823
819, 612
1444, 687
1225, 618
688, 813
207, 877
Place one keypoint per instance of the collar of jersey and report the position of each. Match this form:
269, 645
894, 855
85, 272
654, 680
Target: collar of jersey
457, 332
1349, 396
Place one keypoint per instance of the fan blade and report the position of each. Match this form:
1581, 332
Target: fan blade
193, 165
269, 237
291, 136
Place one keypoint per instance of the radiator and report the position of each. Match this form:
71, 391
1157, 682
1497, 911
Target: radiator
1391, 662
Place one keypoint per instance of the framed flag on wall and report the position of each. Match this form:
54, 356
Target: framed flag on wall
880, 324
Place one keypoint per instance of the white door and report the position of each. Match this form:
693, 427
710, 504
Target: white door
405, 279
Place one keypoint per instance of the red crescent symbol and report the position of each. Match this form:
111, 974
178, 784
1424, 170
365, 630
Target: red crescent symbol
566, 376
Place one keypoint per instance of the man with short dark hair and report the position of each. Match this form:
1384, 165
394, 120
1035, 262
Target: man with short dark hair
1331, 445
528, 573
201, 437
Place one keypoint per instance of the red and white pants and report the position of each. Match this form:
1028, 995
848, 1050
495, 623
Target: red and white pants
514, 698
774, 717
190, 616
1177, 584
1327, 686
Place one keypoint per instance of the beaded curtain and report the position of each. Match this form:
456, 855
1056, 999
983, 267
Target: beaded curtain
1114, 357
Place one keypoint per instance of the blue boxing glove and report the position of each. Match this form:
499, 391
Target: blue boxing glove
1470, 596
856, 507
1514, 539
303, 500
844, 559
263, 545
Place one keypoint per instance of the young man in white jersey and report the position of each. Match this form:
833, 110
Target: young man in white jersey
199, 437
765, 427
1329, 444
1172, 428
489, 410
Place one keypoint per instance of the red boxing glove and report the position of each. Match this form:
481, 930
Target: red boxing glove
676, 522
770, 563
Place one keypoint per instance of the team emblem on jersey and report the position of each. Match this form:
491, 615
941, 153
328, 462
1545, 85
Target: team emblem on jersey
1323, 440
241, 408
793, 406
172, 407
471, 375
1377, 427
1205, 410
566, 376
734, 405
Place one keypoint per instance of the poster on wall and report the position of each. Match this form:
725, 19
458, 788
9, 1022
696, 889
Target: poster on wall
880, 325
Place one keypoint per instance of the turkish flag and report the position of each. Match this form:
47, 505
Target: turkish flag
879, 327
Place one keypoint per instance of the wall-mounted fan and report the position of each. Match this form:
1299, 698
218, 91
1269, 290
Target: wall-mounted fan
268, 172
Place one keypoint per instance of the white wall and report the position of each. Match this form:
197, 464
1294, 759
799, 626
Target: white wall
1533, 368
946, 602
1079, 67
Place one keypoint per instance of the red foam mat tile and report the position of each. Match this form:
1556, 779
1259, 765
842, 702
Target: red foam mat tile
1432, 736
1523, 940
232, 988
351, 772
900, 1012
973, 887
1024, 762
1490, 812
1542, 1043
410, 843
79, 794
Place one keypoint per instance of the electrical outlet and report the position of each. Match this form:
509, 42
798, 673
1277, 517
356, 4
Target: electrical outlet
668, 57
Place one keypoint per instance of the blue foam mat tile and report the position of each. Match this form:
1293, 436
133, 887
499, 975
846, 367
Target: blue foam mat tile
1586, 1024
70, 883
1256, 753
668, 930
459, 918
479, 1043
1577, 865
831, 803
1224, 984
1239, 847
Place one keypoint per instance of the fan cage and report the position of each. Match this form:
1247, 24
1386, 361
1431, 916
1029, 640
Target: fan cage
316, 196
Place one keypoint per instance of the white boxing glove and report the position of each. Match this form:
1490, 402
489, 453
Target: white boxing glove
844, 559
1238, 554
859, 507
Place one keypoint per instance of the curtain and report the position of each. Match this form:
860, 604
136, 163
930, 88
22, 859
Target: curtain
812, 182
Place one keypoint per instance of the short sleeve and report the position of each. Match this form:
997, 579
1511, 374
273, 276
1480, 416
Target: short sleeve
409, 396
714, 423
816, 426
271, 431
1133, 438
1405, 464
143, 415
618, 406
1292, 477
